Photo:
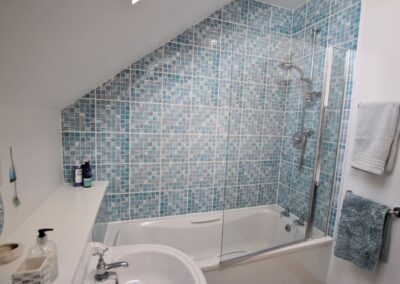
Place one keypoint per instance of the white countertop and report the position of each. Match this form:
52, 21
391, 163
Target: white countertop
71, 212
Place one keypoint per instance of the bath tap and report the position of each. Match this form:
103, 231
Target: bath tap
286, 212
299, 222
102, 268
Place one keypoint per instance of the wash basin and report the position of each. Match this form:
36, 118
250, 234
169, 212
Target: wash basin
150, 264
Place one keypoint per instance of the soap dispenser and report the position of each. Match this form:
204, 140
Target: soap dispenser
46, 247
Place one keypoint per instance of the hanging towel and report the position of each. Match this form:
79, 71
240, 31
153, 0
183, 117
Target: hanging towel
377, 137
361, 231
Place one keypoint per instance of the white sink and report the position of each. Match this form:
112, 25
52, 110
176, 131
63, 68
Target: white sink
149, 264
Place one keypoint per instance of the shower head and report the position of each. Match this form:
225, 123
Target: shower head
286, 66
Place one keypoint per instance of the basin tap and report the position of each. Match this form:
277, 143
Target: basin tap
286, 212
102, 267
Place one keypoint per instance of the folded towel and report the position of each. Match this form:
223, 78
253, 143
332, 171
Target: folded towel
360, 232
377, 137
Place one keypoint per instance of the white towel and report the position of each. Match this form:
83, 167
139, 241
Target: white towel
377, 137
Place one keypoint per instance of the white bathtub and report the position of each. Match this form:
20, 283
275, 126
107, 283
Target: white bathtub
199, 235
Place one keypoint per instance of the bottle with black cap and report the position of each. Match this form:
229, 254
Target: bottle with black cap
46, 247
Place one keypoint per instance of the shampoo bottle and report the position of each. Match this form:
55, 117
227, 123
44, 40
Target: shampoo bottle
46, 247
86, 175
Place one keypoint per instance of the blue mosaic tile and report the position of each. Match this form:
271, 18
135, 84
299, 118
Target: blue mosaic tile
208, 33
117, 176
230, 197
281, 20
299, 18
202, 148
112, 116
79, 116
201, 174
325, 188
153, 62
186, 37
116, 88
249, 172
174, 176
344, 26
272, 193
250, 147
116, 207
317, 10
259, 15
227, 148
332, 126
146, 86
200, 200
283, 196
299, 204
309, 154
256, 69
288, 150
336, 93
252, 122
145, 205
226, 174
232, 66
329, 151
145, 148
178, 58
174, 203
321, 38
257, 42
205, 91
175, 148
268, 171
90, 95
247, 196
254, 96
273, 123
302, 180
203, 120
292, 123
218, 198
286, 174
176, 89
279, 46
298, 44
272, 147
217, 15
321, 216
236, 12
112, 148
262, 194
230, 94
275, 98
145, 177
145, 118
338, 5
78, 148
229, 121
206, 62
175, 119
233, 37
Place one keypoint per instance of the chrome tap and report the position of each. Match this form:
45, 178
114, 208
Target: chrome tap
299, 222
286, 212
102, 268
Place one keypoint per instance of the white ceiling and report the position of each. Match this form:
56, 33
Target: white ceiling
288, 4
54, 51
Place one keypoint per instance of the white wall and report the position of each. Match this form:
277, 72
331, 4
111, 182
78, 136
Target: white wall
377, 79
35, 135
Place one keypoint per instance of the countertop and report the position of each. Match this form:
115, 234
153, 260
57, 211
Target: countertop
71, 212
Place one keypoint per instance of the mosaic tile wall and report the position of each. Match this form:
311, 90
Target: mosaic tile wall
158, 131
338, 21
162, 129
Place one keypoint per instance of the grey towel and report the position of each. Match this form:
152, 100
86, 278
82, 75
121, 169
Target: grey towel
377, 137
360, 232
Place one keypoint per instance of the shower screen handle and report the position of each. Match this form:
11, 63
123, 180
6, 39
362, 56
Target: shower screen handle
303, 152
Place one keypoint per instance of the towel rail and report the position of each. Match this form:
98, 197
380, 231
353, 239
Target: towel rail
395, 212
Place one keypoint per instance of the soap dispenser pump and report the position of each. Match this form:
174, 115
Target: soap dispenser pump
46, 247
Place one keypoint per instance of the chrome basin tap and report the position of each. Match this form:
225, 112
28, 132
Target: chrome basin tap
102, 273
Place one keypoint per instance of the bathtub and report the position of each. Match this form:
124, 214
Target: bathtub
245, 231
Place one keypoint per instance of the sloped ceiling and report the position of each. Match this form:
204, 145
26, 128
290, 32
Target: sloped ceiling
54, 51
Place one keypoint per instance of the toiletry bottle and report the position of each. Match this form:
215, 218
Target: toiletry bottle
87, 175
46, 247
77, 176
